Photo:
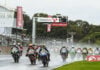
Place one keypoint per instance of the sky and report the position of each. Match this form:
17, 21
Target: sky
87, 10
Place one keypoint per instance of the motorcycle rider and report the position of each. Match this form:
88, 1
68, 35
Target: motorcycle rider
84, 53
79, 53
72, 53
31, 53
44, 53
15, 53
44, 50
20, 48
64, 53
90, 51
96, 51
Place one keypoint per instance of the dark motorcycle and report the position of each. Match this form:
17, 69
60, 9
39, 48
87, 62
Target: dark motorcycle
45, 60
16, 57
64, 56
32, 58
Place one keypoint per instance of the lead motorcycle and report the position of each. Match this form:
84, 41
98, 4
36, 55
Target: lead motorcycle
16, 57
15, 54
32, 57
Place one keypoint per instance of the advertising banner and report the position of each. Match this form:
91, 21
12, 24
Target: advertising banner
48, 27
19, 21
59, 24
48, 19
93, 58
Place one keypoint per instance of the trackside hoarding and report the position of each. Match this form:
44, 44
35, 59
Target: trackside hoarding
93, 58
48, 19
19, 20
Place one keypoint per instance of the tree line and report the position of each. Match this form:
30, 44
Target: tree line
80, 27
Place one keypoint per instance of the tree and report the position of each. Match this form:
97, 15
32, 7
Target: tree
28, 24
40, 15
80, 27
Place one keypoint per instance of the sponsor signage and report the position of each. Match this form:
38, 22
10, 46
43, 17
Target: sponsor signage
59, 24
48, 27
19, 22
48, 19
93, 58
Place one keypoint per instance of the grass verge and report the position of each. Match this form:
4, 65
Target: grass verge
81, 65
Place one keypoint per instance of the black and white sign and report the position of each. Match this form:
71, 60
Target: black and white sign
42, 19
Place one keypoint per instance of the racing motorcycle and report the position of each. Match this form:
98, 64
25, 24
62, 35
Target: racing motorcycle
64, 56
44, 59
16, 57
15, 54
32, 56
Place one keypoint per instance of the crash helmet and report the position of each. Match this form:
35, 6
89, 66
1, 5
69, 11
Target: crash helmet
30, 45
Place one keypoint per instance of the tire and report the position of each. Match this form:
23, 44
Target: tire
32, 59
47, 64
64, 56
31, 62
16, 58
44, 64
45, 61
